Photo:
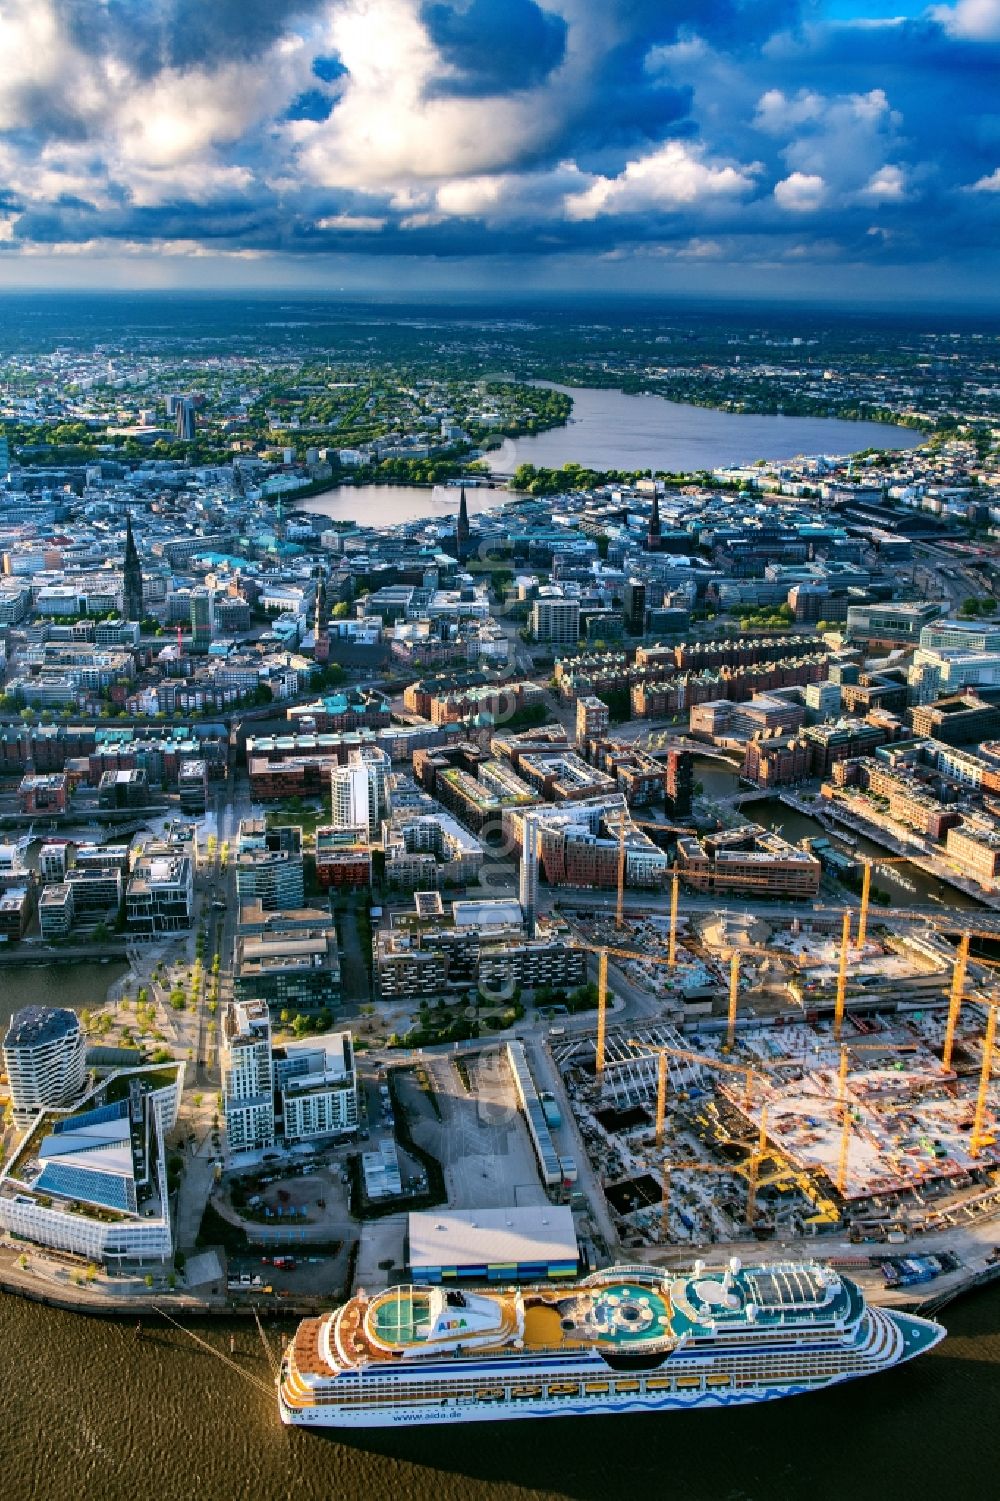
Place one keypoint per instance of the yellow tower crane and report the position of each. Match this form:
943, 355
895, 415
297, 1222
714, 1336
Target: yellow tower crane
734, 996
866, 887
754, 1163
675, 885
685, 1055
989, 1044
845, 1115
845, 949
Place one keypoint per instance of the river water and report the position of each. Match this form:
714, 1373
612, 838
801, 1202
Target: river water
80, 985
93, 1411
610, 430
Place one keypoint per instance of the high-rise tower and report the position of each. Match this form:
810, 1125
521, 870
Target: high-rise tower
184, 420
653, 535
131, 576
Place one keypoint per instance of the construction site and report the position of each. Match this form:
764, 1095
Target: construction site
805, 1076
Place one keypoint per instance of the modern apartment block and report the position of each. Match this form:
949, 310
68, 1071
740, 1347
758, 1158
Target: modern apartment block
556, 619
55, 911
247, 1077
747, 861
44, 1054
318, 1088
160, 894
343, 857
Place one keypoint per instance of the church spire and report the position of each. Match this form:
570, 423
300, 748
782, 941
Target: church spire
132, 602
462, 528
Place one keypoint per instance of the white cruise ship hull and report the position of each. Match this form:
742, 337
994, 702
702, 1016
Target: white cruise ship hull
893, 1338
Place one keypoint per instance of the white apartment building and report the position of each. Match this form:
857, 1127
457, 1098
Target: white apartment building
44, 1054
247, 1077
360, 791
319, 1090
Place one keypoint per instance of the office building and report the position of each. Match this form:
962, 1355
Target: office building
823, 699
679, 791
185, 422
291, 971
247, 1077
528, 875
747, 861
202, 620
891, 624
94, 1184
974, 848
269, 865
192, 785
963, 636
635, 607
55, 911
44, 1054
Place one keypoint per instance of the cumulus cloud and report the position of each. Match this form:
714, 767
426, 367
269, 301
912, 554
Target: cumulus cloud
801, 193
673, 177
988, 183
973, 20
699, 131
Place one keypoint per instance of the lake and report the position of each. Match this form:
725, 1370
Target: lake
610, 430
391, 505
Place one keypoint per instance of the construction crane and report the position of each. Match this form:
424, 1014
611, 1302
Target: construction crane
706, 1060
845, 946
845, 1115
602, 1010
866, 886
675, 886
989, 1043
602, 989
734, 996
754, 1162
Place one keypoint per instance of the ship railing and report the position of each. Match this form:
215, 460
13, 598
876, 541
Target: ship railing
616, 1273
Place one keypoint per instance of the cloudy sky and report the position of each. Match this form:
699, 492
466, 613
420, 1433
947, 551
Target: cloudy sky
789, 147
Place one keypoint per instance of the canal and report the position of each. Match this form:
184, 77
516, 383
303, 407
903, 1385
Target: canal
904, 885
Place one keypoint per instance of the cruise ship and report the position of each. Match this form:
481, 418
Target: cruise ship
627, 1339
